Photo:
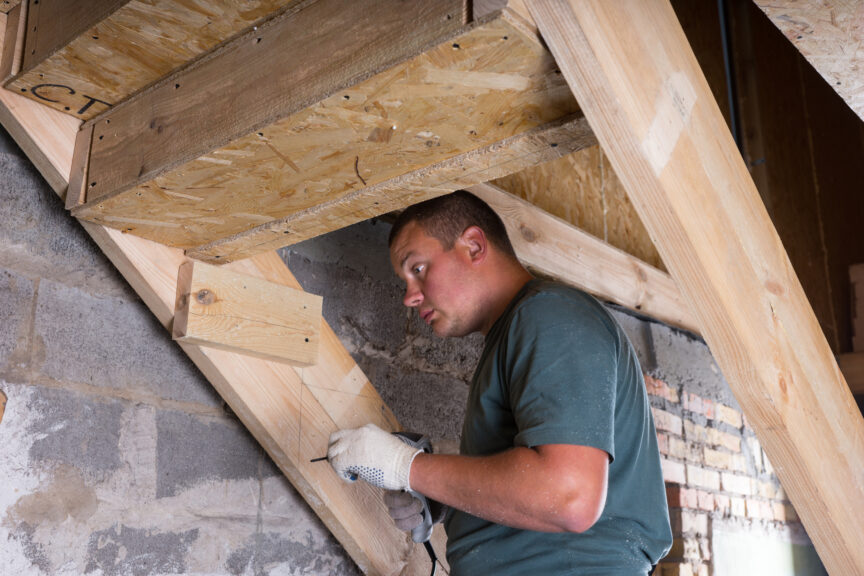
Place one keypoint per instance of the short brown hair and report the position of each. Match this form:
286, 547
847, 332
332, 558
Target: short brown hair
447, 217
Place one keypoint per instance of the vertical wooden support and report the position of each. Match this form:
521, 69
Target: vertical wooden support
635, 77
856, 278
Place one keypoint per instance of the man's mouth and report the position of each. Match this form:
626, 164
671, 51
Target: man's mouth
427, 315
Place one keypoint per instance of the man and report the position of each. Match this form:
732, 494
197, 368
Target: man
558, 471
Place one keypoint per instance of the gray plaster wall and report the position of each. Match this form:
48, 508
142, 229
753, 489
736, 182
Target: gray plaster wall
117, 457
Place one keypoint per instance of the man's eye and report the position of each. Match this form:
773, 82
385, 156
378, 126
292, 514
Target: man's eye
416, 270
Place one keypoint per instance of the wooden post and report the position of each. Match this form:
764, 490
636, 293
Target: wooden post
636, 78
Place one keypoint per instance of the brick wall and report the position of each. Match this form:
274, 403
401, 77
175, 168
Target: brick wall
714, 468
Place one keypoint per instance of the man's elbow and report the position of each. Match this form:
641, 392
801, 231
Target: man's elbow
581, 513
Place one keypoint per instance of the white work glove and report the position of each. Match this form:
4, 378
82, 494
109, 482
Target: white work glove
406, 510
373, 455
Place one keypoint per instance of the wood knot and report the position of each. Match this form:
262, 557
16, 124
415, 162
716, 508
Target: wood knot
527, 233
205, 297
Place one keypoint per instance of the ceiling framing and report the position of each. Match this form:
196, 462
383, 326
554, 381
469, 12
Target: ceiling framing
492, 100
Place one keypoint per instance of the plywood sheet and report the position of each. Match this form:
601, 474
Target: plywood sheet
118, 47
582, 189
830, 35
488, 84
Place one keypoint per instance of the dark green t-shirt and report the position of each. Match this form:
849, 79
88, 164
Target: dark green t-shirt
557, 369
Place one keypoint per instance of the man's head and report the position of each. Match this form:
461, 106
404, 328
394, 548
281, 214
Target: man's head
457, 262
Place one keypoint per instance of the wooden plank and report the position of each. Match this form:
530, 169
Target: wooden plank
237, 312
289, 410
477, 166
84, 57
554, 248
633, 73
2, 405
830, 35
852, 366
482, 86
856, 278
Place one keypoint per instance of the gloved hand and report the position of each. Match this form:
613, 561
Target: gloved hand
373, 455
406, 510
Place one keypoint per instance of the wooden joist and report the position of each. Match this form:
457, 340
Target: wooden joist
830, 35
553, 248
189, 167
635, 76
290, 411
856, 280
223, 309
83, 57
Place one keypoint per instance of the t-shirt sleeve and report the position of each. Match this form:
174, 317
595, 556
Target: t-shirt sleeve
562, 365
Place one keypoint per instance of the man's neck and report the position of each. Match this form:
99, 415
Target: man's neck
510, 280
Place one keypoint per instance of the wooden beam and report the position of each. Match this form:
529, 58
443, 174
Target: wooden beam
476, 102
223, 309
635, 77
852, 366
7, 5
81, 58
830, 35
551, 247
271, 399
541, 144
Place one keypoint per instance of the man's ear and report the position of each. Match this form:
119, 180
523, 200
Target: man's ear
474, 239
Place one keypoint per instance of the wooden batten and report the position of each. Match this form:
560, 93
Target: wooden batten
81, 58
485, 101
554, 248
638, 82
223, 309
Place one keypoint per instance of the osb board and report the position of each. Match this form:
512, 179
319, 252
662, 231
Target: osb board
582, 189
491, 83
830, 35
476, 166
138, 43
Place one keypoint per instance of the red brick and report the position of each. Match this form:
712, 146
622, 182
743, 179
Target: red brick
708, 408
702, 478
676, 569
728, 415
738, 506
779, 511
657, 387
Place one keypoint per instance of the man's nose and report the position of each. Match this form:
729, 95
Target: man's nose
413, 295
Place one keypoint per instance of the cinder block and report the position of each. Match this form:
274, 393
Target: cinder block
113, 343
122, 549
191, 449
16, 297
77, 430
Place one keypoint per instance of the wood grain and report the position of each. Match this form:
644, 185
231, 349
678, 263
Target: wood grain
84, 57
830, 35
633, 73
223, 309
476, 90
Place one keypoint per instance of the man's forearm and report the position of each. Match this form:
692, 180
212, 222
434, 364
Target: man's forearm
554, 488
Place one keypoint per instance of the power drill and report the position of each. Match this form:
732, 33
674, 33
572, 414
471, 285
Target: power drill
421, 533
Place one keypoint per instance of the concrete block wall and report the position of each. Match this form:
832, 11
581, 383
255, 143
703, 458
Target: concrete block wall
116, 456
